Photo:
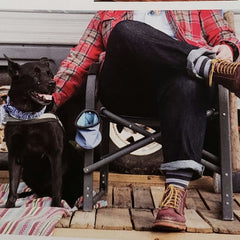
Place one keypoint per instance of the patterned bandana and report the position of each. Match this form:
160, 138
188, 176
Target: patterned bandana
16, 113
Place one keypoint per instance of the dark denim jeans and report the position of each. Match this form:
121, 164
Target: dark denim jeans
145, 74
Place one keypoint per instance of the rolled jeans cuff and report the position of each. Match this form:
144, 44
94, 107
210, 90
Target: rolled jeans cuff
197, 168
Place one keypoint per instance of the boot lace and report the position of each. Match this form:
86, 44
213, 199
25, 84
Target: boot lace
223, 67
172, 197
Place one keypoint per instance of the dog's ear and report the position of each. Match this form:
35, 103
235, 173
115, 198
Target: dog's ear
44, 61
13, 68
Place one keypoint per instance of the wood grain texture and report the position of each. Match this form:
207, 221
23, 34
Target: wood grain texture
157, 194
214, 219
142, 219
122, 197
194, 201
195, 223
113, 218
64, 222
83, 220
142, 198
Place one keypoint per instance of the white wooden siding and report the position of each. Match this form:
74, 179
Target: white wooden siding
50, 27
42, 28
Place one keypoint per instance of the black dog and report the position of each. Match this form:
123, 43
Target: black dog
36, 147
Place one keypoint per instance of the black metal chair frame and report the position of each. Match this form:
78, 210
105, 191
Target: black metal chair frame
225, 168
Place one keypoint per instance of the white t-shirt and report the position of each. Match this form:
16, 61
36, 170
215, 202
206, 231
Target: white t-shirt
156, 20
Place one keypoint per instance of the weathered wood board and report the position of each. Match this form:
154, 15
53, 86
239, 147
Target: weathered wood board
142, 198
64, 222
194, 201
218, 225
83, 220
142, 219
195, 223
157, 194
122, 197
113, 219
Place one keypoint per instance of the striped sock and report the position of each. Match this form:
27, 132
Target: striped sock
179, 178
202, 66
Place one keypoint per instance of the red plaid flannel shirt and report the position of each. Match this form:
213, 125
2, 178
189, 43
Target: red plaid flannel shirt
202, 28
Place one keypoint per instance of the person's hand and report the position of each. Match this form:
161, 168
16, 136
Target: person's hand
223, 51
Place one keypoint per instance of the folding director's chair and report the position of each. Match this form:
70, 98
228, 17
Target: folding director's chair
221, 165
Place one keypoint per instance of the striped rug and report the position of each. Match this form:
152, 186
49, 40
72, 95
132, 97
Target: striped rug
31, 216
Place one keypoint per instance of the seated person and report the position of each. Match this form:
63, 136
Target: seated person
164, 64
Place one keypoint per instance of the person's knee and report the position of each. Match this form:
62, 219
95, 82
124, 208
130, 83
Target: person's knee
122, 29
127, 30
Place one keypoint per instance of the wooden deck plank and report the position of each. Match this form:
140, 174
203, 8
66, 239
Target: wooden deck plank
117, 179
113, 219
142, 219
194, 201
83, 220
141, 235
64, 222
157, 194
155, 212
237, 214
214, 201
237, 199
142, 198
195, 223
122, 197
109, 197
219, 226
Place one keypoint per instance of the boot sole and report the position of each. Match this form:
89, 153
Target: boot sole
169, 226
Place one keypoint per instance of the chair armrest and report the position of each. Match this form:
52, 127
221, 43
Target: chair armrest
91, 86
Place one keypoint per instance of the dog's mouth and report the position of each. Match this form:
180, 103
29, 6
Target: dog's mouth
41, 98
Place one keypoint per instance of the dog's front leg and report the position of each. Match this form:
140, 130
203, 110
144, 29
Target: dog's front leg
56, 165
14, 174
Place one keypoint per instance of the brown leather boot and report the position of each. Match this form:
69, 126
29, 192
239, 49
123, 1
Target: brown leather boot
227, 74
171, 213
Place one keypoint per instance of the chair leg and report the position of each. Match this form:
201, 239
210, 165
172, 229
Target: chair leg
103, 185
88, 182
226, 163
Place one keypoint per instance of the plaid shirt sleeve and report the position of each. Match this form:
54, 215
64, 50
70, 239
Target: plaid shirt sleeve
74, 68
216, 31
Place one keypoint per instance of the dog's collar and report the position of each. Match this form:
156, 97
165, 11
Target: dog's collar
45, 117
6, 117
7, 111
18, 114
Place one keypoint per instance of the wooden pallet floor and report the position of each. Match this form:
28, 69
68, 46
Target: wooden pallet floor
132, 207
